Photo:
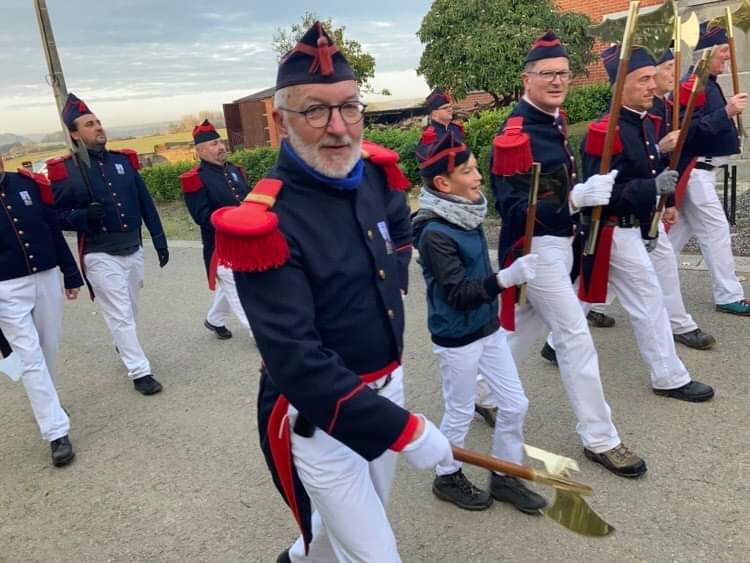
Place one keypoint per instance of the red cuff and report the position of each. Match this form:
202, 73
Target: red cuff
407, 434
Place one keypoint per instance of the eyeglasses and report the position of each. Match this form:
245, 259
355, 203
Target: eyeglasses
319, 116
550, 75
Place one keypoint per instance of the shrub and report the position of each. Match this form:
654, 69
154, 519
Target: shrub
480, 129
257, 162
404, 142
163, 180
584, 103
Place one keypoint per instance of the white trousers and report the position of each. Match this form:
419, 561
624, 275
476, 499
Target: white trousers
492, 359
553, 306
702, 215
117, 281
664, 259
226, 301
31, 311
348, 494
633, 280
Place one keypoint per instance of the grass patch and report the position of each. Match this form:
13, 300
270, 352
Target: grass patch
177, 222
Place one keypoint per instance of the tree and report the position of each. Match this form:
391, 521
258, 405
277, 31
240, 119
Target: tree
363, 64
481, 44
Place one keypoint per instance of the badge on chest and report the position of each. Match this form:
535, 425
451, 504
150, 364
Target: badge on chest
26, 198
385, 233
120, 169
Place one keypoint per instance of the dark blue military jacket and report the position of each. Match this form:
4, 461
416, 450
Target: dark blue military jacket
549, 146
116, 185
217, 186
638, 163
712, 132
30, 239
331, 314
441, 130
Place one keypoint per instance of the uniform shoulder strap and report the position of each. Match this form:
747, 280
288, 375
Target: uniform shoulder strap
42, 183
190, 181
597, 132
387, 160
132, 157
686, 88
248, 238
511, 149
56, 169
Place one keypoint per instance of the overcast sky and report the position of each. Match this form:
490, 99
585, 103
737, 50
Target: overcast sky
142, 61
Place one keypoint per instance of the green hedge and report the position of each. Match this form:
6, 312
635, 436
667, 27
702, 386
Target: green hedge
404, 142
584, 103
163, 180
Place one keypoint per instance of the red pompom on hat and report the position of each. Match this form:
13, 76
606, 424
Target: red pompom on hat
511, 150
686, 89
595, 138
247, 237
387, 160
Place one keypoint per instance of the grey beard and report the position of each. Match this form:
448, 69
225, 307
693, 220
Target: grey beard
312, 158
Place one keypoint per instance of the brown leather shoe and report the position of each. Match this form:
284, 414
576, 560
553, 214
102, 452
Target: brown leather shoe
619, 460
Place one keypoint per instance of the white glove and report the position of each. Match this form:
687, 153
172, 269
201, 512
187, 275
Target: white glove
595, 191
522, 269
650, 244
666, 182
430, 449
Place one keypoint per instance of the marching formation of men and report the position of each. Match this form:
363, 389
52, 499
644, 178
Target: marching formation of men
315, 259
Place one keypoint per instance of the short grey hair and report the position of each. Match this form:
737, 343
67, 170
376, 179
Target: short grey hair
281, 97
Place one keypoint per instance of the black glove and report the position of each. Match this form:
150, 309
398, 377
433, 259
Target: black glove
650, 244
163, 254
95, 216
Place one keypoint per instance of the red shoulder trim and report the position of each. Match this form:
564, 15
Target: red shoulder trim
42, 183
657, 121
247, 237
511, 149
429, 136
387, 160
56, 169
132, 157
686, 88
190, 181
597, 132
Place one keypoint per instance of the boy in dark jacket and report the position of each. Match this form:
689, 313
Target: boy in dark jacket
462, 304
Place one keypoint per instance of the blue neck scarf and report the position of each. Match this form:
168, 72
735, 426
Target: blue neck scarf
350, 182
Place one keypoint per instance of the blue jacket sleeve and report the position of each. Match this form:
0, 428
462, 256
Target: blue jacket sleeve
399, 225
280, 306
150, 214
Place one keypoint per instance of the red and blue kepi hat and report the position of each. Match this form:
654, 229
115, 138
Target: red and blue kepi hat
204, 132
548, 46
73, 109
314, 60
440, 156
639, 58
437, 99
710, 38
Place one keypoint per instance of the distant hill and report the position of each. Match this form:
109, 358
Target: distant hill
13, 139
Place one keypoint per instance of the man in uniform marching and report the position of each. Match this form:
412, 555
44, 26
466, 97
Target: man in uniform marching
320, 250
214, 183
106, 205
441, 123
621, 258
684, 328
32, 254
713, 138
536, 131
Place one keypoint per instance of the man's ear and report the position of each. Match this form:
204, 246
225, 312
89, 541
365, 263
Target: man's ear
278, 119
442, 184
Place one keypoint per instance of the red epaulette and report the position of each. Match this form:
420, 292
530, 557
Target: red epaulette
190, 181
42, 183
511, 149
132, 157
387, 160
429, 136
597, 132
56, 169
685, 90
248, 238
